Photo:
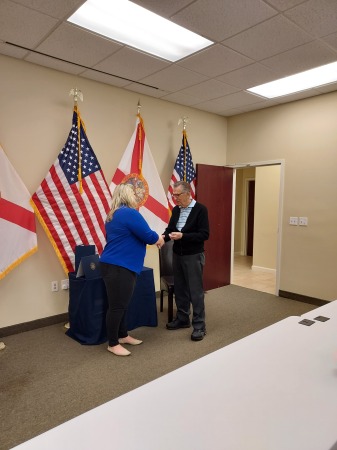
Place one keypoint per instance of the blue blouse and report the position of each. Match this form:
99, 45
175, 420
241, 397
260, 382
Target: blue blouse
127, 235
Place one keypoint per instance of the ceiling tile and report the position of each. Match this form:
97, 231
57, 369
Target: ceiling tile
218, 109
53, 63
211, 107
210, 89
232, 112
181, 98
163, 9
259, 42
282, 5
215, 61
104, 78
327, 88
174, 78
23, 26
72, 43
304, 57
331, 40
146, 90
219, 19
282, 35
318, 17
11, 50
256, 106
238, 99
132, 64
298, 96
249, 76
54, 8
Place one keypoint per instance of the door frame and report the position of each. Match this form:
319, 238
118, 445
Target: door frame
275, 162
245, 204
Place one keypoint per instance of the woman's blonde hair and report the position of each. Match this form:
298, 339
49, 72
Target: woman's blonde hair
123, 195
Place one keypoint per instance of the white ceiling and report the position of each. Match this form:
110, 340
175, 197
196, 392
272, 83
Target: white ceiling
255, 41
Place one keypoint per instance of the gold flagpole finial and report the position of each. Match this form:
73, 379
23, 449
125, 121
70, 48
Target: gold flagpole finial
138, 108
77, 94
184, 120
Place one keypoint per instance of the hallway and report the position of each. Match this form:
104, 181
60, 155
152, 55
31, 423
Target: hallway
258, 280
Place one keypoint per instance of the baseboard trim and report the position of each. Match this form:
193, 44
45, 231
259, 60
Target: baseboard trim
302, 298
33, 325
263, 269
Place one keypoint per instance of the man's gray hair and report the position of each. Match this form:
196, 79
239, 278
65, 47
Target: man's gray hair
186, 187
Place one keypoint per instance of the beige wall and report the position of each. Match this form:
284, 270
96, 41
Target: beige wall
304, 134
35, 119
267, 191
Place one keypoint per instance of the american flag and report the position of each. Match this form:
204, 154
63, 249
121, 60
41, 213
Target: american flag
73, 200
17, 219
183, 170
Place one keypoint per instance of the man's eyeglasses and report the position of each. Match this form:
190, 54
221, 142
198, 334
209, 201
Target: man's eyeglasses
178, 195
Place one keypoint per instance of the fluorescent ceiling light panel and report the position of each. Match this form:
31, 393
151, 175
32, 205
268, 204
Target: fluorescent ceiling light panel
126, 22
297, 83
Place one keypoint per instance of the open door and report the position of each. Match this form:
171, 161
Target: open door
214, 189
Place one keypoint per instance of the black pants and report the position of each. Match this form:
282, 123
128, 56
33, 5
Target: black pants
120, 284
188, 288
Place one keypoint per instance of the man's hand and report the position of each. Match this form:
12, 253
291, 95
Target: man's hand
176, 235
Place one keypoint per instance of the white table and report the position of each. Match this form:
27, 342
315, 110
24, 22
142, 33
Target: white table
273, 390
327, 310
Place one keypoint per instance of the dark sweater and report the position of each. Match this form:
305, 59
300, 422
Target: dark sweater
195, 232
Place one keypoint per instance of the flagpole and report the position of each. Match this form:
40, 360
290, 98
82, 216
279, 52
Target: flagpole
140, 128
184, 120
77, 94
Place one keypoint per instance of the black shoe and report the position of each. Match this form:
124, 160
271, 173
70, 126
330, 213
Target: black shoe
176, 324
198, 335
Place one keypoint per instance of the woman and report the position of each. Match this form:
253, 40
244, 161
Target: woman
127, 235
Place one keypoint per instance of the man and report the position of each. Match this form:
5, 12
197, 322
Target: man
189, 229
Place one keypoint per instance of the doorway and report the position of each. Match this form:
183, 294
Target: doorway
257, 214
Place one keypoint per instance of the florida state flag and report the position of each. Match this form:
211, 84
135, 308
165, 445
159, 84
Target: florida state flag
17, 219
137, 168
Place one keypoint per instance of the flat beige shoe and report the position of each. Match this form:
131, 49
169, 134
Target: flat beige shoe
118, 350
130, 340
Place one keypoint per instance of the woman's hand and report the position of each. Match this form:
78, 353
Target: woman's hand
160, 242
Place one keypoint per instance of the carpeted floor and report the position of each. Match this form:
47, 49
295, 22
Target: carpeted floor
46, 378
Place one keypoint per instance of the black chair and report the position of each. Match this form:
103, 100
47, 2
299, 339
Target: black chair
166, 277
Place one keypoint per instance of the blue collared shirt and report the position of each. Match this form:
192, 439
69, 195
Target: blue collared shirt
184, 213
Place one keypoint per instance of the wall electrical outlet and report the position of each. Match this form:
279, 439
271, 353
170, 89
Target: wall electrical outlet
54, 286
64, 285
293, 220
303, 221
